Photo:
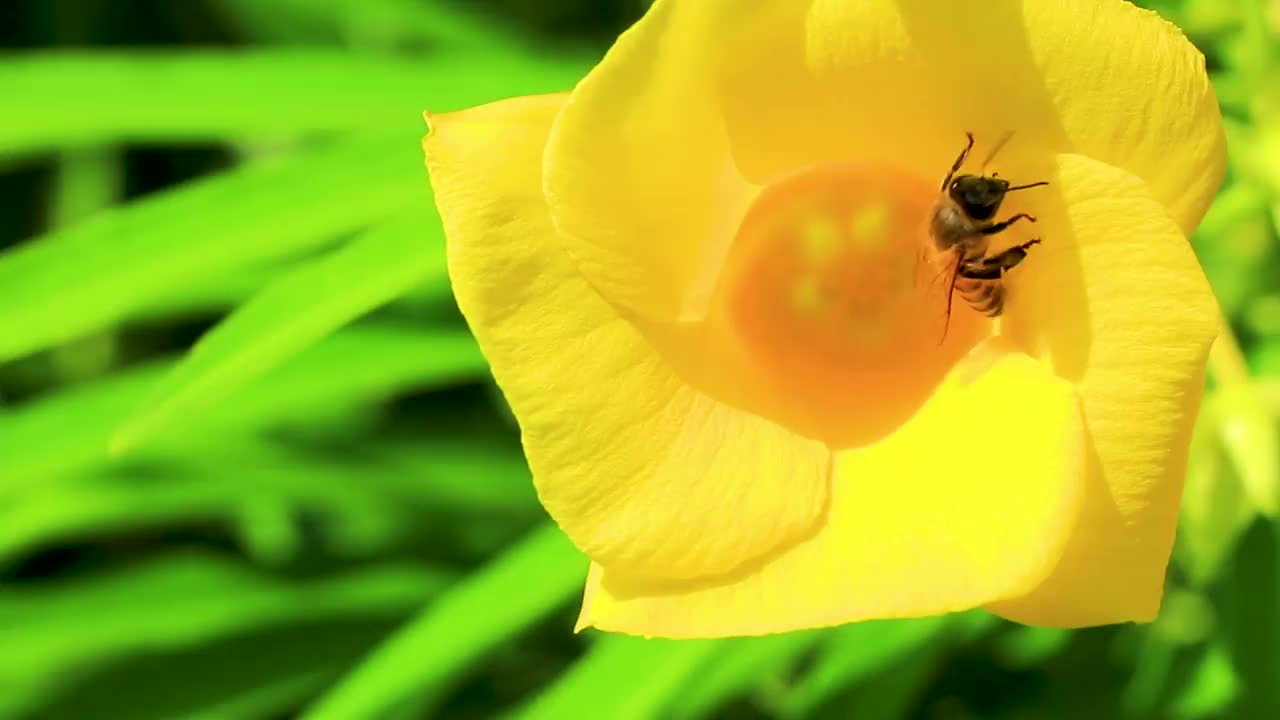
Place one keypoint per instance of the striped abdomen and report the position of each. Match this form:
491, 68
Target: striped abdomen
980, 280
984, 295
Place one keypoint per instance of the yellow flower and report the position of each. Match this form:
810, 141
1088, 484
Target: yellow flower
705, 284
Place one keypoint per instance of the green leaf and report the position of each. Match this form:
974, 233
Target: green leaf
372, 23
1215, 509
290, 314
1262, 318
433, 469
1213, 686
219, 294
855, 652
92, 274
88, 180
1248, 605
52, 634
1151, 672
1251, 437
359, 365
488, 607
267, 698
68, 98
741, 666
86, 508
625, 678
36, 441
889, 693
1026, 647
363, 505
1186, 618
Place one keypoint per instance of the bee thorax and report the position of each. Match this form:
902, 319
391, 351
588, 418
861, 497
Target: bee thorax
951, 227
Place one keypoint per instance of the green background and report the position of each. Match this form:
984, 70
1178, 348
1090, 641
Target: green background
324, 512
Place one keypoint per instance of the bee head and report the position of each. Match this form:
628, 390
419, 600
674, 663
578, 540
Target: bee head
978, 195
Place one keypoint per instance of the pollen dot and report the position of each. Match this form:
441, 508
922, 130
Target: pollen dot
820, 239
872, 222
806, 295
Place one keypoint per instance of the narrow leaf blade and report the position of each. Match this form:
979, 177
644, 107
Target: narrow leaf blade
292, 313
92, 274
491, 605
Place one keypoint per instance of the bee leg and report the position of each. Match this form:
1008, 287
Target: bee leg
959, 161
994, 266
1002, 226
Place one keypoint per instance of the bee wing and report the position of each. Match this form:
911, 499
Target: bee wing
951, 293
946, 268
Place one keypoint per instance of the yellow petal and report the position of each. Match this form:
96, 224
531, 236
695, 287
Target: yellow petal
797, 83
638, 173
639, 469
970, 501
1117, 302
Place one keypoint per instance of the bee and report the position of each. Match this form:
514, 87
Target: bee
962, 224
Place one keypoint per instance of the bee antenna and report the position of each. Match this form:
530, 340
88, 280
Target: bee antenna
998, 146
1024, 187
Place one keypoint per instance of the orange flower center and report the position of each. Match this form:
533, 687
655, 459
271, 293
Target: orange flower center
834, 294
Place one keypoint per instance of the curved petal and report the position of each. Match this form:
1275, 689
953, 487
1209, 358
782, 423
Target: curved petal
1137, 355
638, 173
970, 501
640, 470
900, 81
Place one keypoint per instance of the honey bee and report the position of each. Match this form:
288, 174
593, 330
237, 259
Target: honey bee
962, 224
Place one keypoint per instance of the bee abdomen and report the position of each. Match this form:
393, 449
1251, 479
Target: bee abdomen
985, 296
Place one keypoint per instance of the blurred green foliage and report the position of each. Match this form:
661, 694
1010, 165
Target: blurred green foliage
252, 464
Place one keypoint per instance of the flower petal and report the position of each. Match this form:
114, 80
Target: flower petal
638, 173
640, 470
1116, 300
901, 80
970, 501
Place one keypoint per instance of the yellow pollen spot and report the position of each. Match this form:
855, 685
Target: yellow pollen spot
871, 222
806, 295
819, 239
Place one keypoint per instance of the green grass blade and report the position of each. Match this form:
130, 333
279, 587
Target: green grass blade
92, 274
891, 693
262, 673
53, 633
222, 489
758, 665
36, 441
497, 475
1029, 646
1211, 689
625, 678
292, 313
489, 606
269, 699
855, 652
89, 179
362, 505
372, 23
67, 99
356, 366
1251, 438
216, 295
1215, 508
